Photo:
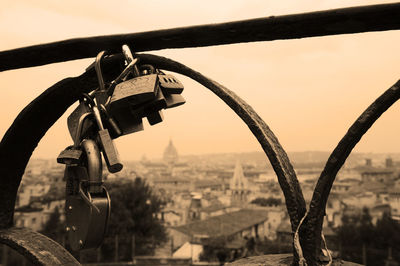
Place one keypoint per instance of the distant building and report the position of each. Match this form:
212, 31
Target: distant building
208, 184
239, 186
171, 183
170, 154
334, 209
194, 208
29, 217
190, 239
389, 162
377, 175
36, 215
213, 210
27, 192
170, 217
394, 202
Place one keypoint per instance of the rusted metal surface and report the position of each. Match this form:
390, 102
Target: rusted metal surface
36, 247
330, 22
313, 223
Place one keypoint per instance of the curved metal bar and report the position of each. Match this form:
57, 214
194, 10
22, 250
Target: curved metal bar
37, 248
328, 22
280, 162
314, 220
29, 127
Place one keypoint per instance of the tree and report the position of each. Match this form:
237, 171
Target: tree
358, 230
54, 228
134, 209
366, 228
215, 250
267, 201
387, 232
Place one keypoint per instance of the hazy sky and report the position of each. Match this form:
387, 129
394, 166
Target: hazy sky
309, 91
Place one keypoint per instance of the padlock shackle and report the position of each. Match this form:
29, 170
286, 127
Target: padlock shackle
99, 73
127, 53
88, 99
129, 58
97, 117
130, 67
79, 129
149, 67
94, 164
87, 198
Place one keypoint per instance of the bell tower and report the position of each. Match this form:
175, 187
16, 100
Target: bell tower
239, 186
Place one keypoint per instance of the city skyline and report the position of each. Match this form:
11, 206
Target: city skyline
309, 91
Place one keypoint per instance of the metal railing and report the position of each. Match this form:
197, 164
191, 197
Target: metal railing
28, 128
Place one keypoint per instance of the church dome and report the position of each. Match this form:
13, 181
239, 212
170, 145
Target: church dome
170, 153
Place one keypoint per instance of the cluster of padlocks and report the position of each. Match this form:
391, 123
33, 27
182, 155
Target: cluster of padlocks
108, 112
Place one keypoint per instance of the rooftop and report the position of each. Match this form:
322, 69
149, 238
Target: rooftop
224, 225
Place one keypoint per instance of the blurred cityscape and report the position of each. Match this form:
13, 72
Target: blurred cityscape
235, 197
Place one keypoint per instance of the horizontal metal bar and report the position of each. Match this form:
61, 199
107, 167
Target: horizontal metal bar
330, 22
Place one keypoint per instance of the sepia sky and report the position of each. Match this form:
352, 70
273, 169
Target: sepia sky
309, 91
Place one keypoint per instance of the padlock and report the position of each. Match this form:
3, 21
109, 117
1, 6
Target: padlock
110, 123
70, 156
169, 84
73, 120
155, 105
155, 117
174, 100
87, 206
86, 225
129, 94
110, 152
116, 115
126, 121
150, 109
84, 106
135, 91
172, 89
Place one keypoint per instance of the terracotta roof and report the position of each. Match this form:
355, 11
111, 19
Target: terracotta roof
224, 225
213, 208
